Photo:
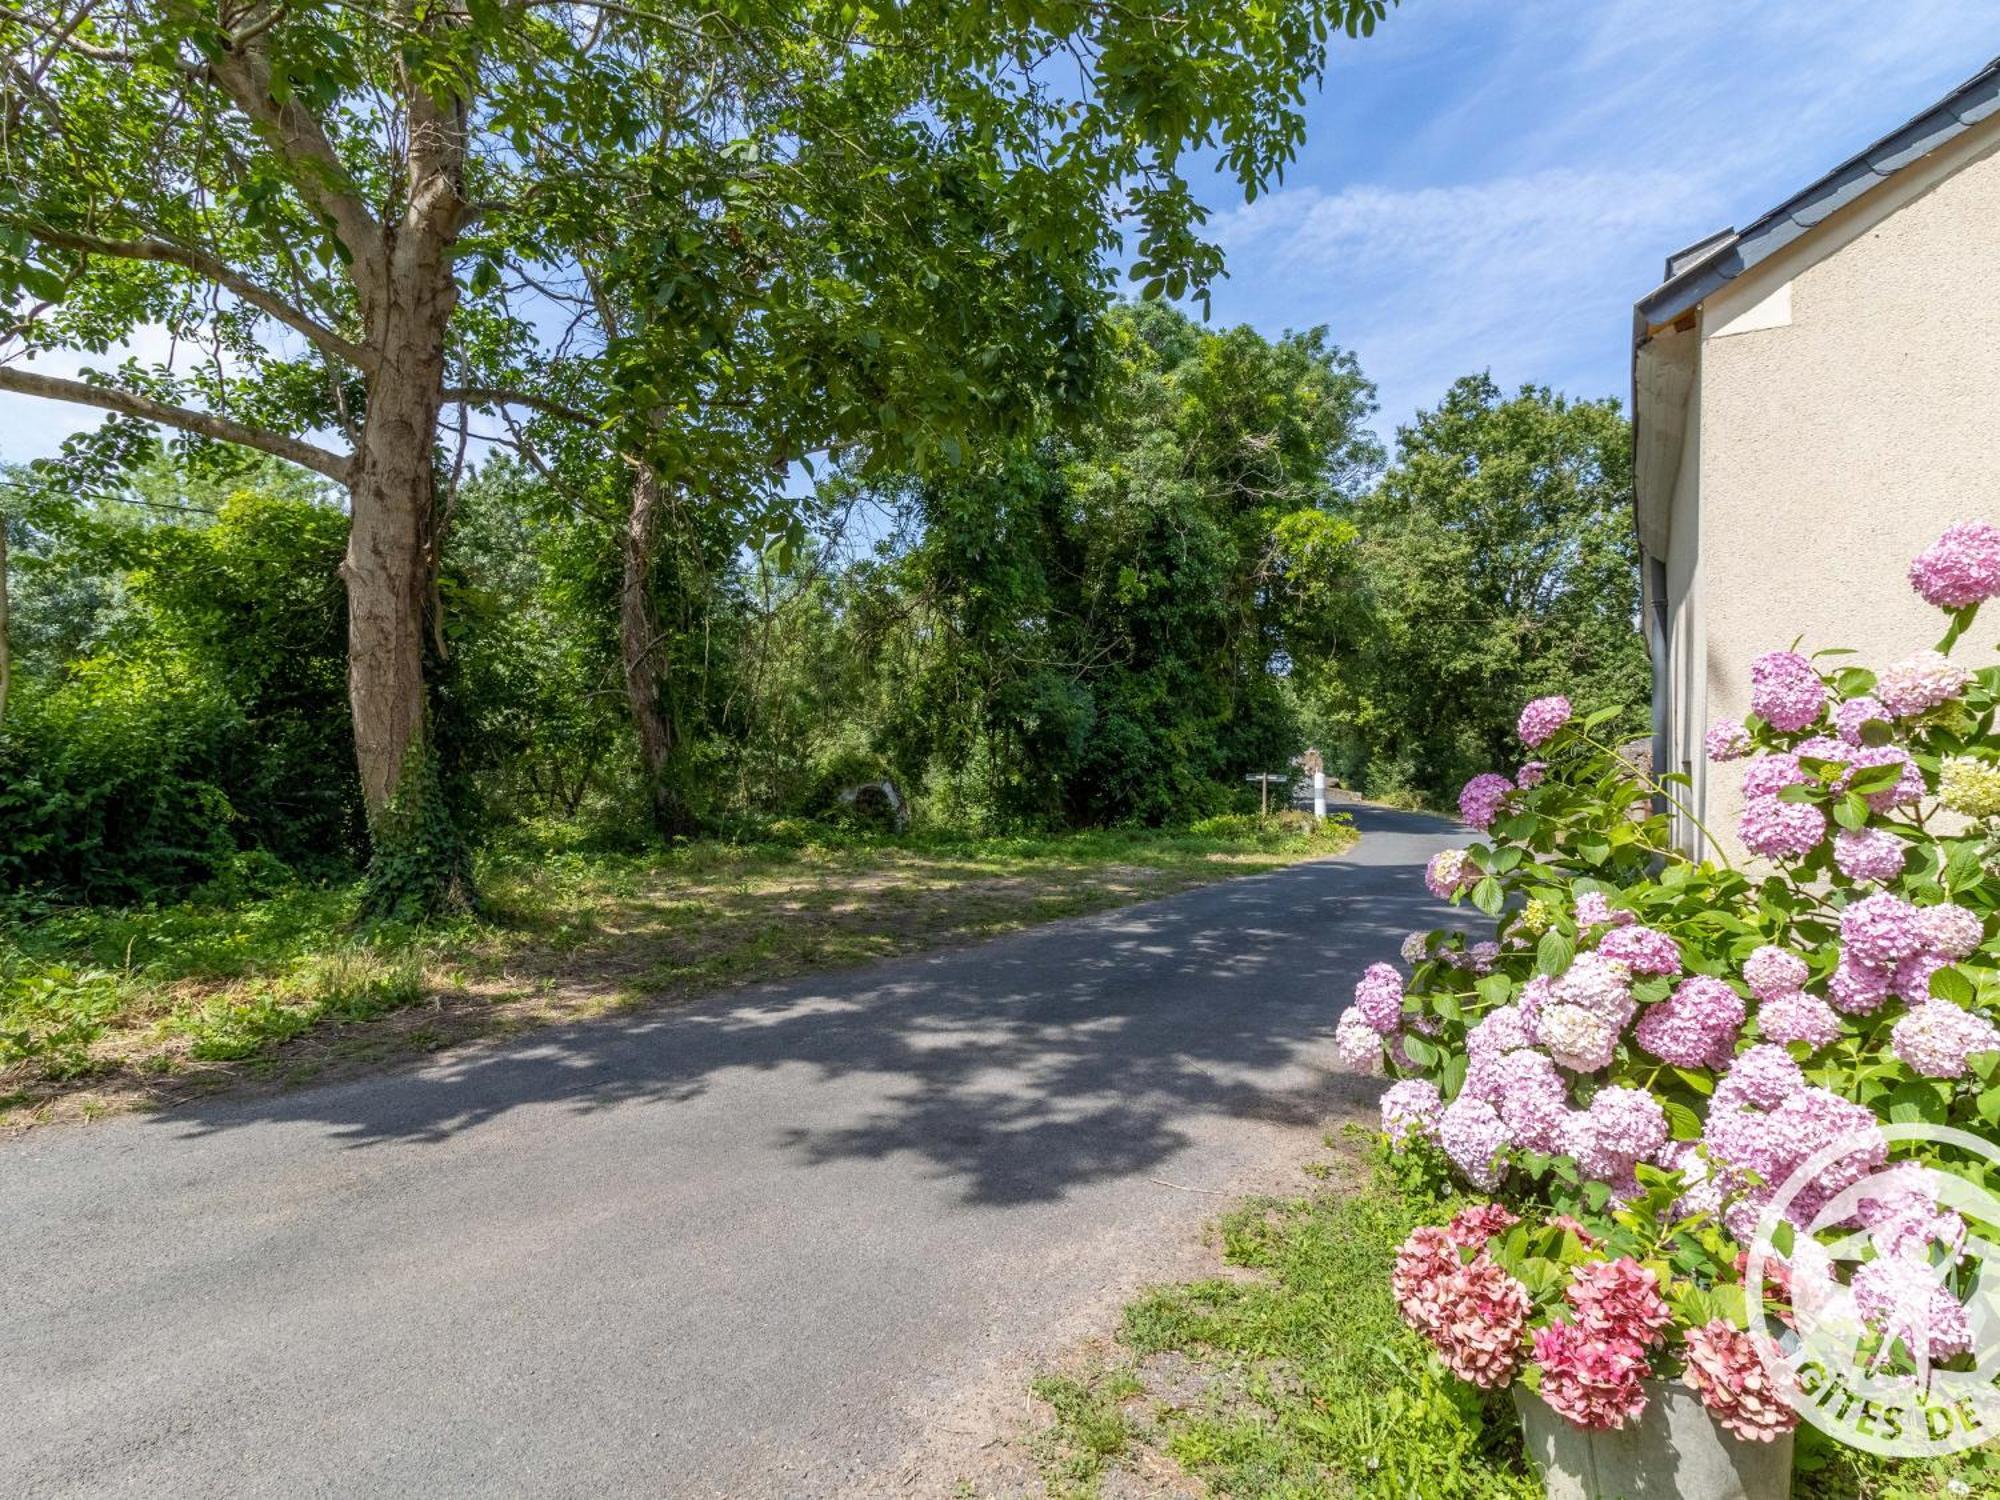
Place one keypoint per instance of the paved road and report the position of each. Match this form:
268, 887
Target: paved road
736, 1249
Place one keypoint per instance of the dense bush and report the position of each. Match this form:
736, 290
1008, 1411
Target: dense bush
208, 717
1668, 1074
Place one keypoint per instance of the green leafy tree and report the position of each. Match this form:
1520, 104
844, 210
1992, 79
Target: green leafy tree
1499, 565
331, 200
1099, 623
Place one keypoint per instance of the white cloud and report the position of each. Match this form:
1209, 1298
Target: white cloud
1431, 283
1498, 187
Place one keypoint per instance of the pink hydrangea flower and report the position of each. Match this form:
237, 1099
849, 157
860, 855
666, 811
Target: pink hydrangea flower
1479, 800
1696, 1026
1901, 1214
1785, 691
1472, 1135
1823, 747
1532, 1099
1937, 1037
1590, 1382
1379, 998
1410, 1108
1961, 567
1585, 1011
1531, 775
1356, 1044
1594, 910
1949, 930
1643, 950
1920, 682
1450, 872
1535, 994
1858, 989
1770, 774
1912, 980
1415, 947
1903, 1299
1798, 1017
1621, 1128
1771, 971
1868, 854
1909, 786
1780, 830
1600, 984
1851, 715
1619, 1299
1761, 1078
1742, 1380
1500, 1030
1542, 718
1726, 740
1579, 1039
1764, 1122
1483, 957
1473, 1227
1880, 930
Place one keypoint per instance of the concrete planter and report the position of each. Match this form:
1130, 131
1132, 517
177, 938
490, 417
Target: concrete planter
1673, 1452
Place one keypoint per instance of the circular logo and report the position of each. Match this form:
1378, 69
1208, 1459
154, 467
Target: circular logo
1892, 1339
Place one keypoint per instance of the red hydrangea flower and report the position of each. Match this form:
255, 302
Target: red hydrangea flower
1741, 1380
1589, 1381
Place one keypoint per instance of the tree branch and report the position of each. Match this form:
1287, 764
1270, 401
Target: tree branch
485, 396
203, 424
314, 167
213, 269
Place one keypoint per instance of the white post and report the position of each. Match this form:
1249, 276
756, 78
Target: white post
1319, 794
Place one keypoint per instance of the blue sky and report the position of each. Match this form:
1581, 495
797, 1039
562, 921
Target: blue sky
1490, 184
1493, 183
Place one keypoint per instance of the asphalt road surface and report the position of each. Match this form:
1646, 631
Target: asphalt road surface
746, 1248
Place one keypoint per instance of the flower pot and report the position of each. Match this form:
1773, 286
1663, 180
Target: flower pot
1675, 1451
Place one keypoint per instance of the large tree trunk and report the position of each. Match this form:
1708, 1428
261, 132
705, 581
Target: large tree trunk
390, 561
639, 640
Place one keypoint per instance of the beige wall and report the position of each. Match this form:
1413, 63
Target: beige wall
1840, 434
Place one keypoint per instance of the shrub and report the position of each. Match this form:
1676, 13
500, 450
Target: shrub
1666, 1074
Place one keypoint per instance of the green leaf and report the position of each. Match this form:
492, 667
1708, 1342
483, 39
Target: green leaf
1950, 984
1554, 953
1918, 1101
1851, 811
1489, 896
1700, 1082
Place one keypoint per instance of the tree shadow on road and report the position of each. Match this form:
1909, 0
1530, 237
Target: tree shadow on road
1018, 1069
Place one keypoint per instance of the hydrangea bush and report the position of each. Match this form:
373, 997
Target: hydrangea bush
1648, 1047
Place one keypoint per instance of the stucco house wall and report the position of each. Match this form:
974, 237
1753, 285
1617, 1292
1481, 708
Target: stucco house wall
1842, 409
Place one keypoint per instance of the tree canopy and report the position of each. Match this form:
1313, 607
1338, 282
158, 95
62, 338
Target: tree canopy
1497, 564
365, 216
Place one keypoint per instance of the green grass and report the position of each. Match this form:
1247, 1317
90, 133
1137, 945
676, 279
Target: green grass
100, 1008
1298, 1380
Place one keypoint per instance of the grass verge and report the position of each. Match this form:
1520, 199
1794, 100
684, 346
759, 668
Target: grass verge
103, 1009
1294, 1378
